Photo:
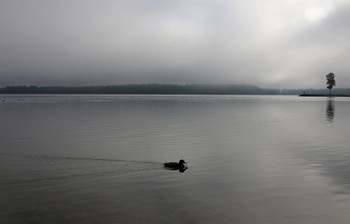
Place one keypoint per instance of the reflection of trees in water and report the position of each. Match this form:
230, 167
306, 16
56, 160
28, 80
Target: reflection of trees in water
330, 110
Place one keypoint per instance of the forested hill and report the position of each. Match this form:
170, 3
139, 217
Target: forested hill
163, 89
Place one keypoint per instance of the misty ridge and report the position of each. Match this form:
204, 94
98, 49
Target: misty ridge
163, 89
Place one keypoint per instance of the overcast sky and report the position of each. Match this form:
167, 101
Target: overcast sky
270, 43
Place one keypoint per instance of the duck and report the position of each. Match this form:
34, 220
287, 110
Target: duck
176, 166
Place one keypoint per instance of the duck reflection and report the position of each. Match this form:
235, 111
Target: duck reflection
330, 110
180, 166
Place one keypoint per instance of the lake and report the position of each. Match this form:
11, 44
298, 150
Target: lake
99, 159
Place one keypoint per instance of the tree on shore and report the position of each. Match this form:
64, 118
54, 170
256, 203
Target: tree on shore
330, 82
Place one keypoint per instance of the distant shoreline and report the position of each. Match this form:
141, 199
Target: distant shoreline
324, 95
191, 89
188, 89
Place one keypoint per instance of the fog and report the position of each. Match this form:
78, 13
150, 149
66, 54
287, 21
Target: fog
272, 43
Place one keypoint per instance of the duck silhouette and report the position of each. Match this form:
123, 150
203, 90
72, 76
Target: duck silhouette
180, 166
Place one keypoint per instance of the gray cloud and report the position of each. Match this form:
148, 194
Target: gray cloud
84, 42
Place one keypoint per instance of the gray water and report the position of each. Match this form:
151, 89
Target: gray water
98, 159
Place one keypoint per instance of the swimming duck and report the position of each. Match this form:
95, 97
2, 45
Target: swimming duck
176, 166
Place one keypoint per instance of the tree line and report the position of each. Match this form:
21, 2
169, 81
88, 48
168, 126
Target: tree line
138, 89
163, 89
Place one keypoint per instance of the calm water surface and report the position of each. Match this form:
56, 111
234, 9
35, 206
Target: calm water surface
98, 159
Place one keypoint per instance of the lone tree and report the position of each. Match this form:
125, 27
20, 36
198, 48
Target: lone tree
330, 82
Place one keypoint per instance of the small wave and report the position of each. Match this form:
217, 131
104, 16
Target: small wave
52, 170
63, 158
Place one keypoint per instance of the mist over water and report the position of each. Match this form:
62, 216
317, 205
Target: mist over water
99, 159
